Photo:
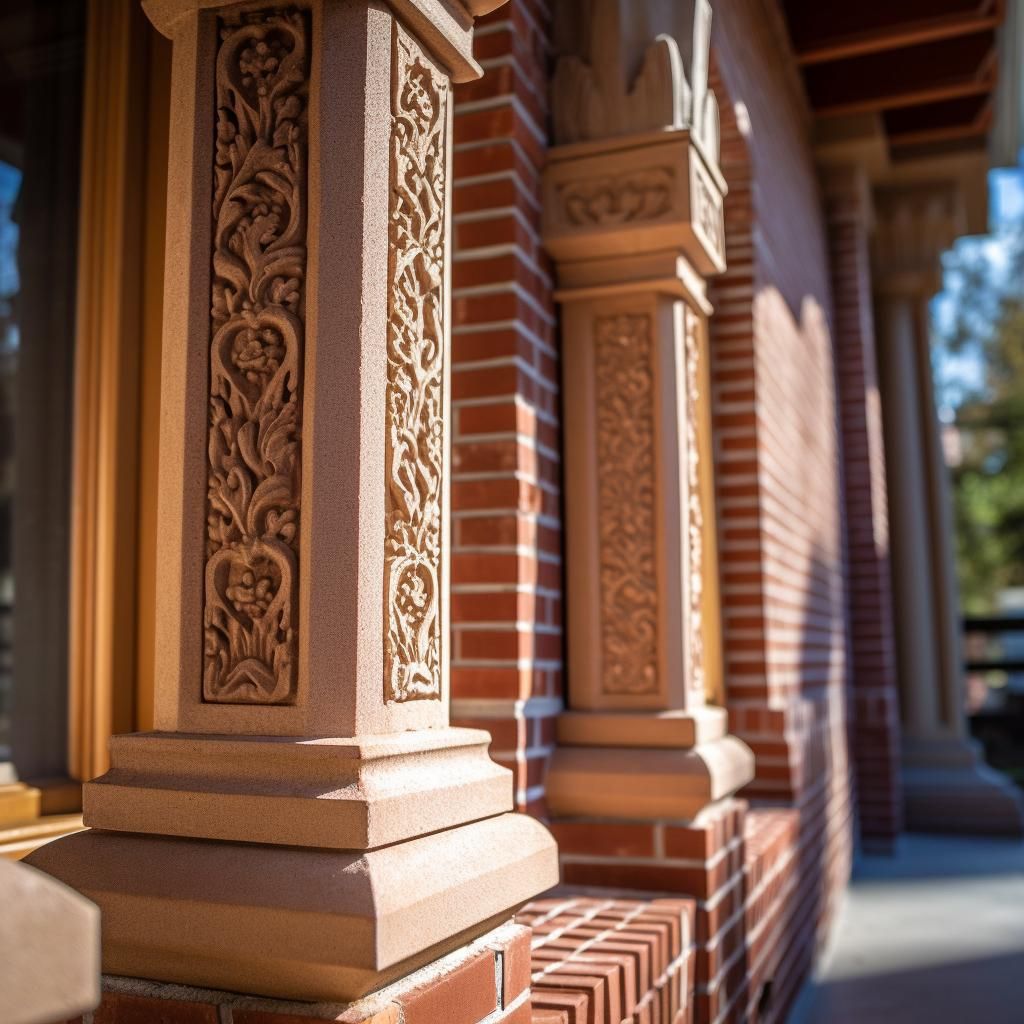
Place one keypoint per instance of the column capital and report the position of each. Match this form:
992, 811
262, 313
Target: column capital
631, 66
914, 224
633, 193
445, 26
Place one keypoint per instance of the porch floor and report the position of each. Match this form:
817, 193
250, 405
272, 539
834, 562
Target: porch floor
934, 934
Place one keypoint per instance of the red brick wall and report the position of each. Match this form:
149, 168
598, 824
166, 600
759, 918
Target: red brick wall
778, 458
506, 471
875, 695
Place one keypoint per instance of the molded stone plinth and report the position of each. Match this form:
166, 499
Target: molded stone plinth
642, 728
294, 922
639, 784
346, 794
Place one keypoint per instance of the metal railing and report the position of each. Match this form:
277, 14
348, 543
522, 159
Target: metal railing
991, 626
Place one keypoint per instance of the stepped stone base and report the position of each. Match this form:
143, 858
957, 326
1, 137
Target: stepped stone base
948, 788
294, 922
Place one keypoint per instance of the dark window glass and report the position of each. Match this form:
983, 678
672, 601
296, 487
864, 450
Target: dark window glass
41, 67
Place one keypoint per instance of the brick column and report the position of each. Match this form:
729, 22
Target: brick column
506, 457
875, 699
946, 786
633, 220
304, 823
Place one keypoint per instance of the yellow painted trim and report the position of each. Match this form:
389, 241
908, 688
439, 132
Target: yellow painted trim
21, 840
111, 328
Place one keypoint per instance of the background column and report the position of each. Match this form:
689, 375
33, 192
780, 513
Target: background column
633, 220
946, 786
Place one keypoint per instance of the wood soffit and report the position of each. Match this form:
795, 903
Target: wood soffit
926, 68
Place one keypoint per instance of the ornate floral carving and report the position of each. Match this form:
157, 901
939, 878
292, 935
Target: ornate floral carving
640, 196
415, 350
626, 488
694, 512
257, 321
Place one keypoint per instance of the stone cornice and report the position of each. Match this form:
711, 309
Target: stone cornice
445, 26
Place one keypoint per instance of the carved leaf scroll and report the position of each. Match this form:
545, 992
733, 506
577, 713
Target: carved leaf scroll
626, 500
694, 512
415, 354
257, 324
620, 199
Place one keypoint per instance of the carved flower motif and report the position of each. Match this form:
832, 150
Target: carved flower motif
251, 594
259, 64
418, 93
413, 594
258, 352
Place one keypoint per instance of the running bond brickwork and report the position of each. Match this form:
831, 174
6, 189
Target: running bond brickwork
608, 960
875, 695
506, 471
779, 460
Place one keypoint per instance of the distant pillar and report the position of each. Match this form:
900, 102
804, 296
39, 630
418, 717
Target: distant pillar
304, 823
946, 785
633, 219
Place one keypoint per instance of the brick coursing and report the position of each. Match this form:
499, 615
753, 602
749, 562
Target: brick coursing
610, 959
872, 651
507, 662
486, 982
781, 503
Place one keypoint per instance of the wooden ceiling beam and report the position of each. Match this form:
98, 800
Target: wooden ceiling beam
909, 98
987, 15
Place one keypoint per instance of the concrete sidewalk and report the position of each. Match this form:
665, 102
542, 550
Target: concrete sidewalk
934, 935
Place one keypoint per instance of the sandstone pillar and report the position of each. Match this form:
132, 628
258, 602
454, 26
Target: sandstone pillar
946, 786
304, 822
633, 220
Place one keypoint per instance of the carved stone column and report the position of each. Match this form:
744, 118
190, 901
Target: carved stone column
304, 823
945, 783
633, 219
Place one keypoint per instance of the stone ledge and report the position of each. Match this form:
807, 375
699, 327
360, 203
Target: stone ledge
485, 982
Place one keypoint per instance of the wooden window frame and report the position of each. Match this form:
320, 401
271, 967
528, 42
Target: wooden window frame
115, 430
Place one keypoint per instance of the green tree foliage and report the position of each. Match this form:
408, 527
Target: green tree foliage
985, 331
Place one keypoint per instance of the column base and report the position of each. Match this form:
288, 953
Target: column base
293, 922
643, 783
948, 788
341, 794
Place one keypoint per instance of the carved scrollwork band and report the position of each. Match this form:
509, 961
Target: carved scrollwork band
694, 512
618, 199
420, 98
624, 394
257, 326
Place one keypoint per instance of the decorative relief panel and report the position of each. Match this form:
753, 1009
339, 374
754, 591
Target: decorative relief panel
694, 513
415, 353
708, 211
257, 322
626, 503
621, 199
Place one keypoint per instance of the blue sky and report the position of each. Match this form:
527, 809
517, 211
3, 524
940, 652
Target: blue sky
955, 374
